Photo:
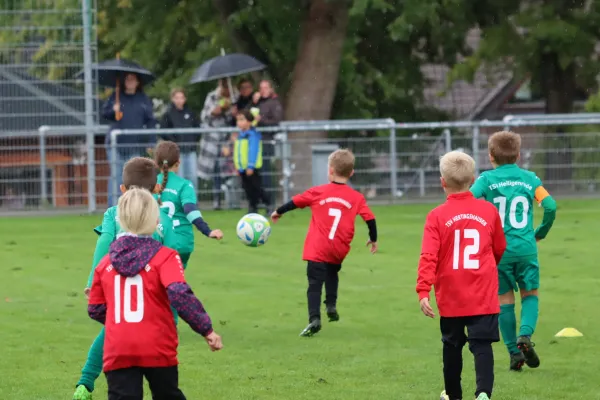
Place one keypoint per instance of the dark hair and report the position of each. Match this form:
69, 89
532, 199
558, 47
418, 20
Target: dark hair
140, 86
166, 156
242, 81
140, 172
504, 146
247, 114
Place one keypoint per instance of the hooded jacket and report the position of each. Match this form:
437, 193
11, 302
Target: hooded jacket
129, 255
184, 118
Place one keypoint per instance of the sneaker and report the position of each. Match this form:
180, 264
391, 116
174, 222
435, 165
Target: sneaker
525, 344
516, 361
81, 393
312, 328
444, 396
482, 396
332, 314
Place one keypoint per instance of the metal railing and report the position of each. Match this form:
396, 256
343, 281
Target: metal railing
394, 161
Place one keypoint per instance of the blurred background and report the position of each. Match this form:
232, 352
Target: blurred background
399, 83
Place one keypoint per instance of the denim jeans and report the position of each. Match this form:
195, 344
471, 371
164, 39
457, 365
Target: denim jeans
116, 170
188, 169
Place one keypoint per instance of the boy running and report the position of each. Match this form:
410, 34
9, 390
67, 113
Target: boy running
512, 190
462, 243
137, 172
334, 209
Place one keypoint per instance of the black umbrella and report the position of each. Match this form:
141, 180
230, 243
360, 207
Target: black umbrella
226, 66
109, 73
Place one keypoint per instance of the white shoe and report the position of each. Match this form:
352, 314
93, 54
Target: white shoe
444, 396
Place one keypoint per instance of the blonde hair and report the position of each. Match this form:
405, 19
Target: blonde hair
504, 147
457, 169
342, 162
138, 211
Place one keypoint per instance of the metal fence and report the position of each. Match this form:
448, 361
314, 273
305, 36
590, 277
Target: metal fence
394, 162
43, 45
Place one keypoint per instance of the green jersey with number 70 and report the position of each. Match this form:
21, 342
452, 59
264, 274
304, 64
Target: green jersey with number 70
513, 191
178, 192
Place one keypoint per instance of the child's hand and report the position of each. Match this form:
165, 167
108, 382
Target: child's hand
426, 308
216, 234
86, 292
275, 217
214, 341
373, 246
249, 172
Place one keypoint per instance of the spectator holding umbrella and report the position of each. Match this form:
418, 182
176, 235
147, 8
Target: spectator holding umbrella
178, 115
215, 114
270, 113
131, 109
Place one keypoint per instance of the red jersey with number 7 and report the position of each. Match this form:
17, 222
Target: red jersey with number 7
334, 208
462, 245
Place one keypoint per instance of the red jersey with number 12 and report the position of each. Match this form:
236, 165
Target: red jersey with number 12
334, 209
462, 244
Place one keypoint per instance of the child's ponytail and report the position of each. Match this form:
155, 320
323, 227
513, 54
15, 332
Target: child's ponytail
166, 155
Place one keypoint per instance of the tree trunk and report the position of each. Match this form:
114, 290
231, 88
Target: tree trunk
559, 90
315, 78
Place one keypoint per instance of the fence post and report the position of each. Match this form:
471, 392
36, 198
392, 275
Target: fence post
475, 145
285, 166
43, 178
393, 158
421, 182
113, 163
448, 140
89, 107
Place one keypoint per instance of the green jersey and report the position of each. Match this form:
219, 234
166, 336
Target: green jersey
513, 191
111, 230
176, 194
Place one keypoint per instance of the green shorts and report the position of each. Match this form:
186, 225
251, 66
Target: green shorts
185, 257
518, 274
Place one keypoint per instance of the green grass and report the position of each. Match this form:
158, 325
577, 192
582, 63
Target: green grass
383, 348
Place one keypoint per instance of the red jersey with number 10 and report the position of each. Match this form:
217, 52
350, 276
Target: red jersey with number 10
140, 330
462, 244
334, 209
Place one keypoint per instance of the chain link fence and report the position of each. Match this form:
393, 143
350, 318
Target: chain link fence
395, 163
42, 47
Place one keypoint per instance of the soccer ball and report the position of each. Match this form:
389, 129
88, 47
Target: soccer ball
253, 230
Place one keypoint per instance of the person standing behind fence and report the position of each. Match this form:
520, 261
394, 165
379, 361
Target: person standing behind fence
270, 114
216, 114
244, 101
137, 113
248, 160
178, 115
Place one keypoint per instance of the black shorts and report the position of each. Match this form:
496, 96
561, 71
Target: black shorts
128, 383
478, 327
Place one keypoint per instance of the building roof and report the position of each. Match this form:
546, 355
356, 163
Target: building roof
26, 102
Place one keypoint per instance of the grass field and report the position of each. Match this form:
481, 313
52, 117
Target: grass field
382, 348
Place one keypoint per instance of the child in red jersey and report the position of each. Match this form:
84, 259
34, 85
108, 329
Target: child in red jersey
133, 290
334, 209
462, 245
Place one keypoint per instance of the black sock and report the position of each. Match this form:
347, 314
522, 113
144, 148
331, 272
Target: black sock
484, 366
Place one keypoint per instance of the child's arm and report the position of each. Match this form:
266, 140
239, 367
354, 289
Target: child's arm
299, 201
107, 235
429, 257
190, 208
367, 215
479, 187
498, 239
97, 301
549, 204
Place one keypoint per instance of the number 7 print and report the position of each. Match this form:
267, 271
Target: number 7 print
337, 214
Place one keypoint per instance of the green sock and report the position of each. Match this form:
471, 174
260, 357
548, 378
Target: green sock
93, 365
529, 315
508, 327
